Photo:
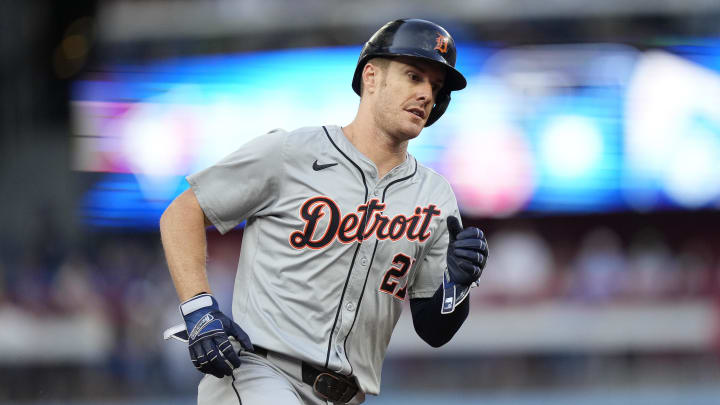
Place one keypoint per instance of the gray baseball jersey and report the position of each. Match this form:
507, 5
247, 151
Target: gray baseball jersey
330, 250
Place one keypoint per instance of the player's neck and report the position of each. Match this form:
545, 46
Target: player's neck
385, 151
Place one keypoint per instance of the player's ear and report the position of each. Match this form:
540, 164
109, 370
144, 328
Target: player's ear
369, 77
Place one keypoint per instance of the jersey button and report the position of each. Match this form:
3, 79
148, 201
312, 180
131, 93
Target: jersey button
364, 261
350, 306
377, 192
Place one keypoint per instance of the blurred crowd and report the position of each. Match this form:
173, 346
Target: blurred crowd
600, 266
103, 306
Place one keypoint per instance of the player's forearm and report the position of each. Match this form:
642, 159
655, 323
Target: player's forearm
431, 325
182, 229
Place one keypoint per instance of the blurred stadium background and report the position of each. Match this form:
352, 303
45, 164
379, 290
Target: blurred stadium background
587, 145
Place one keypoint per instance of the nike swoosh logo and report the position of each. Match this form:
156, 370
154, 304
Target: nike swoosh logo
318, 167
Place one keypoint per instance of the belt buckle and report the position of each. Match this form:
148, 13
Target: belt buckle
324, 396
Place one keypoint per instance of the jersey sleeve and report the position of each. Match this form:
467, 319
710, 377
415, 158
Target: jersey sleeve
429, 272
243, 184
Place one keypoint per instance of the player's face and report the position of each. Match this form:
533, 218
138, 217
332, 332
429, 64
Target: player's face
406, 95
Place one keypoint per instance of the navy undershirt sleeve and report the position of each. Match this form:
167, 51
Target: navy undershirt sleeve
433, 327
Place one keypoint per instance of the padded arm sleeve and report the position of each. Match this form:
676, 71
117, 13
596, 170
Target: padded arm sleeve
433, 327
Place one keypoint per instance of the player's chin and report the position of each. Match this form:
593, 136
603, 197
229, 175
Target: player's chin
411, 129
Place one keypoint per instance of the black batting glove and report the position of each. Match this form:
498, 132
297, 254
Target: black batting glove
208, 336
467, 252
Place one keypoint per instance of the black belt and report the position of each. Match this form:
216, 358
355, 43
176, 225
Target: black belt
329, 385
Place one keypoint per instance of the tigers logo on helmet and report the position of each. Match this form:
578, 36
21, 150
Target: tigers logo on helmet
441, 43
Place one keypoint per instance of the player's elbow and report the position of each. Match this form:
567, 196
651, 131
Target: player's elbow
433, 340
434, 335
434, 327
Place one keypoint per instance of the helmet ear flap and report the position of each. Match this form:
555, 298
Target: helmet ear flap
438, 110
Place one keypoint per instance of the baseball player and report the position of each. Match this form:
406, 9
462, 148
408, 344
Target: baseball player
343, 225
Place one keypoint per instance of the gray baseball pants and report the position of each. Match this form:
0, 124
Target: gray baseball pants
275, 380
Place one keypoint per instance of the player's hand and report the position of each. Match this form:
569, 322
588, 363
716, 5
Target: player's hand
467, 252
208, 331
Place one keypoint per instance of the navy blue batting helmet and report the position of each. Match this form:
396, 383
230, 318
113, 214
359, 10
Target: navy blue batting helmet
418, 39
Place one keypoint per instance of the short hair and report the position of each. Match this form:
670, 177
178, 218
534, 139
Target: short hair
380, 62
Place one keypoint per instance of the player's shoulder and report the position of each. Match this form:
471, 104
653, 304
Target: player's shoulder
432, 178
270, 139
299, 132
306, 133
304, 136
435, 184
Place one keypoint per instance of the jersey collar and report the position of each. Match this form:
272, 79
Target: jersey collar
367, 165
